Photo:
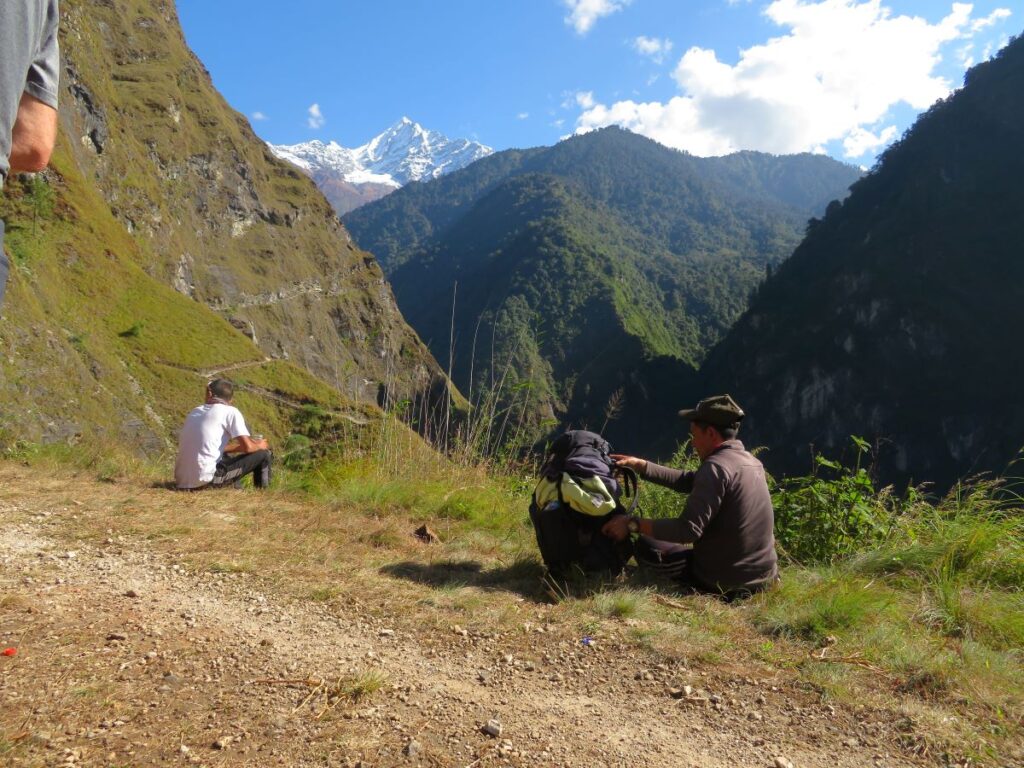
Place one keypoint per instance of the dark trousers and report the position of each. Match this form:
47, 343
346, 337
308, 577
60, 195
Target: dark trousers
232, 469
664, 558
673, 561
4, 265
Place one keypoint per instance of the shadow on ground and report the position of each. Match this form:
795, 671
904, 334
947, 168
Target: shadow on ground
526, 578
523, 577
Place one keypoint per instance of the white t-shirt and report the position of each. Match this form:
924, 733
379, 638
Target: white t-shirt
207, 430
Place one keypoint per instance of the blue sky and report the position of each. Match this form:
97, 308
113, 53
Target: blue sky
844, 77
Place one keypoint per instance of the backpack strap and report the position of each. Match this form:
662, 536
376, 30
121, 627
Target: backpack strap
630, 483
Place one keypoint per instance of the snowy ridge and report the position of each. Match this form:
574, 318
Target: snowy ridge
404, 152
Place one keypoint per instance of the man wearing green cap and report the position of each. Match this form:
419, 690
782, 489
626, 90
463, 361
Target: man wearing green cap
728, 516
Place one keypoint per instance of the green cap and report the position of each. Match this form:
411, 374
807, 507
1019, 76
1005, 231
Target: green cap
719, 411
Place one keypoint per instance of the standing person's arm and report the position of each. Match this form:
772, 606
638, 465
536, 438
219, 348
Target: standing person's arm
35, 128
33, 135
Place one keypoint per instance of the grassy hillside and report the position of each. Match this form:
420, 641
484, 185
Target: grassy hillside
214, 214
165, 245
99, 354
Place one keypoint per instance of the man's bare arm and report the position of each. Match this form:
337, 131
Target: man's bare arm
33, 135
246, 444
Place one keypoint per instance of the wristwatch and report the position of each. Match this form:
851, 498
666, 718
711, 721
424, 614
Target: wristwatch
634, 524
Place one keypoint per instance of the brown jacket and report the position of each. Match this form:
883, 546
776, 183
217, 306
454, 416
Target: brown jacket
728, 518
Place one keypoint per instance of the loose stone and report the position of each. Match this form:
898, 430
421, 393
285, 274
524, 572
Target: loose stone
492, 728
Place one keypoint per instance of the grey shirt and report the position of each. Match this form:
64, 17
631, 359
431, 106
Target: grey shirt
728, 518
29, 62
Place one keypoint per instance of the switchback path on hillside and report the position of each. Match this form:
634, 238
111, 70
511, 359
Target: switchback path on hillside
209, 373
133, 651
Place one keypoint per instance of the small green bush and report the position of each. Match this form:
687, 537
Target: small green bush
621, 604
133, 331
968, 536
819, 518
297, 452
457, 507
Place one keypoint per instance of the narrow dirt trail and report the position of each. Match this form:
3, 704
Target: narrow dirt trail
210, 373
126, 657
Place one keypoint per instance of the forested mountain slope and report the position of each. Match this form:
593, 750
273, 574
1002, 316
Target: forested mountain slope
574, 267
899, 317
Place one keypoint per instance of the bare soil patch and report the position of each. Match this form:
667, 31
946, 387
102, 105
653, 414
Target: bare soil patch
132, 650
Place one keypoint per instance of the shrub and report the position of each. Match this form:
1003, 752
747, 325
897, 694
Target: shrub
133, 331
297, 452
819, 518
969, 536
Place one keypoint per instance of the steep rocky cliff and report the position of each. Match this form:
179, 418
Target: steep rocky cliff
218, 217
899, 317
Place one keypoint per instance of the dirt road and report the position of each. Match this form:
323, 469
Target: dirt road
126, 657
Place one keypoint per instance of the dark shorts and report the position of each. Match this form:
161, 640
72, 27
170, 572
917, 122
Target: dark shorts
231, 470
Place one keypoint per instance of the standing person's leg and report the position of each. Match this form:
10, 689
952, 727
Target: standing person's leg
233, 468
4, 266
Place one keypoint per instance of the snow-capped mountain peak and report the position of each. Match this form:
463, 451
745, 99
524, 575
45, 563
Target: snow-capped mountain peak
405, 152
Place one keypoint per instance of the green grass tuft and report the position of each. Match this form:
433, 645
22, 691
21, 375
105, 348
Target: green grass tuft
620, 604
814, 607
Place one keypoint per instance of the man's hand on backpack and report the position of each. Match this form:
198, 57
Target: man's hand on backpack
617, 528
630, 462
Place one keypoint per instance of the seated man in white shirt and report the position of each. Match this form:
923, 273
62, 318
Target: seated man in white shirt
216, 448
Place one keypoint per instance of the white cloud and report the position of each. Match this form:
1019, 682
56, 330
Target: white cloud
834, 75
652, 47
585, 99
999, 14
584, 13
860, 141
259, 117
316, 118
676, 123
522, 115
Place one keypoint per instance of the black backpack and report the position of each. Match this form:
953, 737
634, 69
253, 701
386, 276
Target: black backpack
570, 540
